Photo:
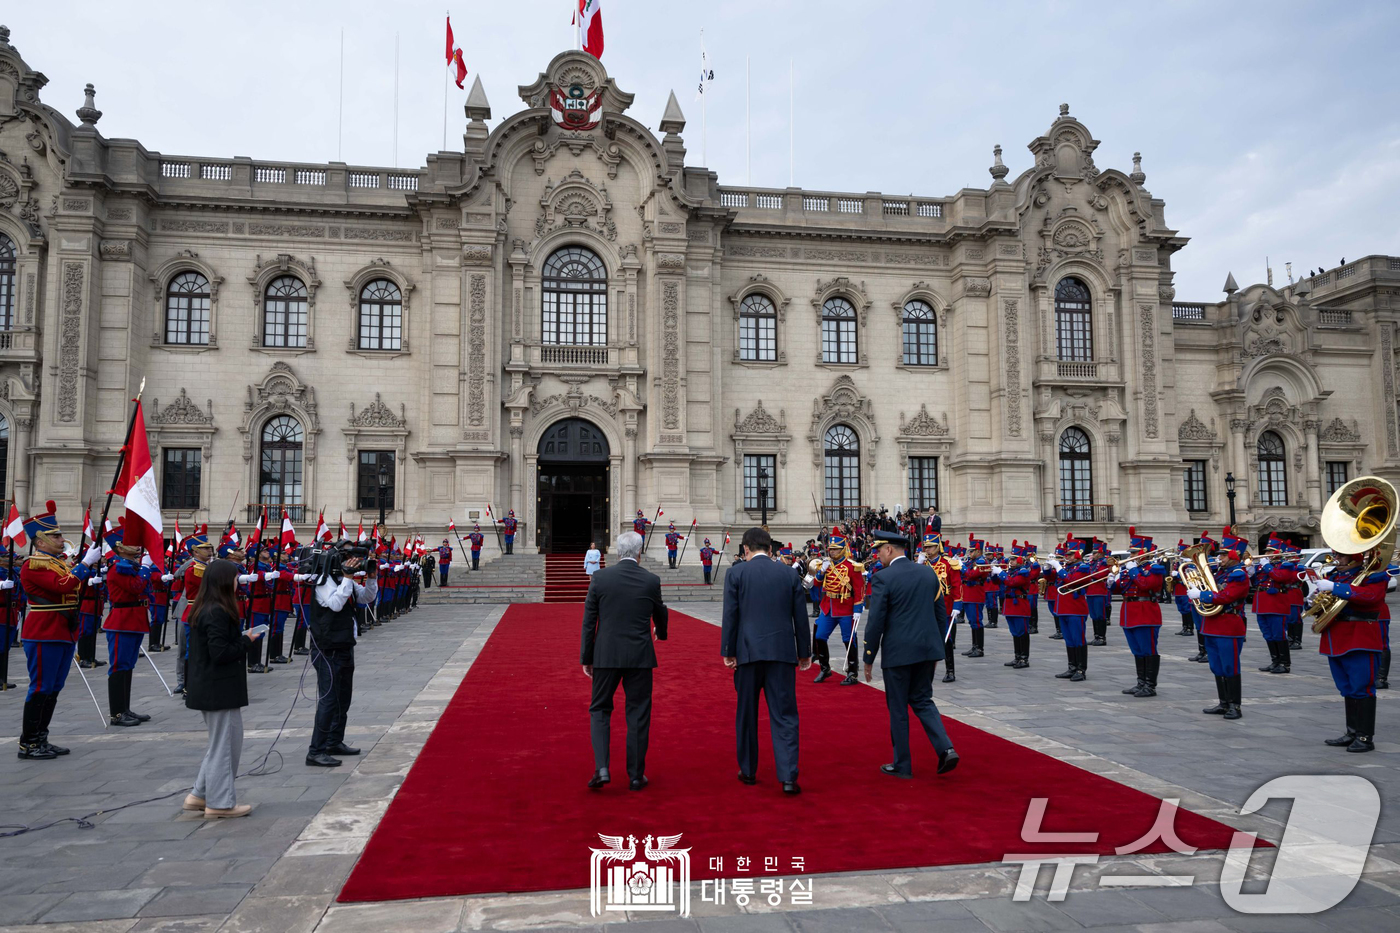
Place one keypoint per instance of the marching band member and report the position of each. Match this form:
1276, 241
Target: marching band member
842, 585
1019, 580
127, 623
1212, 547
1353, 644
1271, 606
1183, 605
1141, 618
1294, 627
1073, 610
974, 594
187, 580
1224, 632
1097, 594
992, 592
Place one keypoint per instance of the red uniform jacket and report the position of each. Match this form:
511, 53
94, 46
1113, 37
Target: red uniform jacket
1139, 588
189, 582
1100, 586
52, 588
974, 582
1020, 583
1073, 604
1357, 628
282, 588
1233, 592
1271, 598
843, 608
126, 584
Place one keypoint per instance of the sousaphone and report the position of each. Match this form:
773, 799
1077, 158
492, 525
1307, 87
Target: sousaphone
1358, 520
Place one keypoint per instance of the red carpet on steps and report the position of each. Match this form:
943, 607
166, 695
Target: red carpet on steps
496, 801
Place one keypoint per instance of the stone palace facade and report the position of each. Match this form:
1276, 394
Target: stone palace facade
568, 319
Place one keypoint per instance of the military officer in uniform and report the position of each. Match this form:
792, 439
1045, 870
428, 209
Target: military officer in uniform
477, 539
1352, 644
50, 629
908, 617
1141, 617
125, 625
1225, 631
508, 528
444, 561
842, 585
673, 541
707, 557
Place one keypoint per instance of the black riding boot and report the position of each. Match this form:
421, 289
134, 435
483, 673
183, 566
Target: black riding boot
1141, 663
1223, 704
298, 640
1100, 633
126, 697
1071, 654
1365, 726
1233, 687
1188, 624
1082, 664
1059, 635
1383, 675
949, 653
851, 678
30, 746
1342, 741
116, 700
1026, 650
1034, 628
87, 650
274, 649
1154, 663
1273, 657
1285, 660
1200, 654
821, 653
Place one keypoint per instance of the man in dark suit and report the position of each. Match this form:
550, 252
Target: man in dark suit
623, 602
764, 639
905, 623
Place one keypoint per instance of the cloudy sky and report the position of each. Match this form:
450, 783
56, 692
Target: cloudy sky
1271, 129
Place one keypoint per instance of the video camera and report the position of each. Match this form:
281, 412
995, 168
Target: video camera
328, 560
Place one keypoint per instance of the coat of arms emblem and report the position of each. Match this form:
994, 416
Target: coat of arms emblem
573, 108
659, 880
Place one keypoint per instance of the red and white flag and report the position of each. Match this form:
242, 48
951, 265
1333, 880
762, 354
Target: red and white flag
322, 529
454, 56
449, 38
88, 533
230, 535
452, 525
289, 534
255, 538
14, 528
137, 485
343, 532
589, 20
178, 537
360, 536
106, 544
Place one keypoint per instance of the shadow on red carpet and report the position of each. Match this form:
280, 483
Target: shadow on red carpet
496, 801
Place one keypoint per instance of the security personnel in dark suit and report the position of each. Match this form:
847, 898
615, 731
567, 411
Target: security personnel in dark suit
624, 600
764, 639
906, 617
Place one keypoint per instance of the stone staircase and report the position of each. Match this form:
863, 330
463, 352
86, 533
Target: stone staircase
513, 578
686, 584
564, 578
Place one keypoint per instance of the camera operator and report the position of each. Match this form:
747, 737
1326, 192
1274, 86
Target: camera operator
329, 575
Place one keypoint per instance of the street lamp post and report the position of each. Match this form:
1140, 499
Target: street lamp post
1230, 495
383, 490
763, 497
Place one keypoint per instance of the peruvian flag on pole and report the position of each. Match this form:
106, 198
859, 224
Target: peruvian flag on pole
589, 20
454, 56
344, 533
137, 485
452, 525
360, 537
322, 529
88, 533
14, 527
289, 534
178, 537
255, 538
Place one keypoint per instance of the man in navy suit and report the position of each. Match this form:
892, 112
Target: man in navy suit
905, 623
764, 639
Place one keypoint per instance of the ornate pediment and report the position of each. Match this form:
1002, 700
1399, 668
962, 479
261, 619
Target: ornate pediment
760, 421
1337, 432
1194, 429
844, 401
282, 391
575, 202
182, 411
923, 424
378, 415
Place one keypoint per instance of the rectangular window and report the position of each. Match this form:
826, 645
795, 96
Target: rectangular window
1076, 496
179, 489
758, 338
839, 340
1273, 483
1196, 486
368, 487
752, 464
575, 317
1073, 335
923, 482
1336, 475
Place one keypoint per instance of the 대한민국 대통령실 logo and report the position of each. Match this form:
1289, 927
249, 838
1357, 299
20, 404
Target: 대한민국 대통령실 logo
657, 878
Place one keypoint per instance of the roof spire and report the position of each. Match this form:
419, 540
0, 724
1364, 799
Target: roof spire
88, 112
1137, 177
998, 169
1230, 286
672, 120
478, 108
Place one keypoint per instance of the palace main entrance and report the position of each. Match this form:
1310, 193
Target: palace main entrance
571, 496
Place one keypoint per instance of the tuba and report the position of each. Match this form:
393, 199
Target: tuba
1359, 519
1195, 574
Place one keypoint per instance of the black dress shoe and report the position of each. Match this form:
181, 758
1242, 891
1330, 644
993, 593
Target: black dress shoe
850, 679
893, 772
279, 660
300, 651
790, 787
638, 784
1362, 743
1219, 709
750, 779
56, 749
948, 761
139, 717
322, 760
1058, 636
599, 778
342, 749
1341, 741
1098, 643
36, 753
1233, 712
123, 719
823, 675
949, 678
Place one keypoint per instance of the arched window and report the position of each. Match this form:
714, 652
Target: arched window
7, 282
1273, 477
381, 316
1074, 335
1076, 477
758, 329
284, 313
279, 478
5, 457
838, 332
575, 298
920, 334
842, 472
187, 309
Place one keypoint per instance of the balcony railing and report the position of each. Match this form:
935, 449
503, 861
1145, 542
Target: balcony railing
569, 355
295, 510
1335, 318
1084, 513
1076, 370
1188, 311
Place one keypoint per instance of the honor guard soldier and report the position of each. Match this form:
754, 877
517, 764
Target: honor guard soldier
508, 527
1183, 604
1294, 626
1274, 576
1225, 630
281, 607
992, 590
90, 609
477, 539
949, 570
1073, 609
1141, 618
707, 557
50, 629
125, 625
444, 562
158, 599
673, 541
1019, 580
11, 611
842, 584
1353, 643
300, 593
1212, 547
640, 523
974, 595
189, 579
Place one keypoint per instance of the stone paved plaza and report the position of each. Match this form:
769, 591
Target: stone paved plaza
146, 868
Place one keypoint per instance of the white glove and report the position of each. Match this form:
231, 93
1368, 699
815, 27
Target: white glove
100, 578
93, 555
146, 560
856, 618
167, 577
953, 616
304, 577
1130, 565
247, 578
272, 575
7, 584
1265, 563
1325, 586
809, 579
1057, 565
1193, 593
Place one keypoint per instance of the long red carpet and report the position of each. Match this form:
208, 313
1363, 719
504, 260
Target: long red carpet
496, 801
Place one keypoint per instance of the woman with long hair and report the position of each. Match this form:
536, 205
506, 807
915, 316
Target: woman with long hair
216, 684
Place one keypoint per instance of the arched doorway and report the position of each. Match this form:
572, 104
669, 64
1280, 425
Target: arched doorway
571, 494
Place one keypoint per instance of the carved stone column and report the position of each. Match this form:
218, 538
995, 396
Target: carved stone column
1239, 465
1310, 468
19, 439
517, 462
1114, 439
1048, 472
629, 472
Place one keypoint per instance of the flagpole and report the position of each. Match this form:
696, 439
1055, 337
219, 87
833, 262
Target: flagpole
396, 100
340, 111
748, 122
791, 132
444, 99
704, 70
111, 491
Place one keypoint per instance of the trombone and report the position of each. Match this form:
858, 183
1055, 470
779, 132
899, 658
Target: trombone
1099, 576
